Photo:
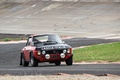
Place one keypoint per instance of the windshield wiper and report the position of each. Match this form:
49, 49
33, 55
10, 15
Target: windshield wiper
50, 42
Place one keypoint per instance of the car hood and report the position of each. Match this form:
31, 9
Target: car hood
54, 46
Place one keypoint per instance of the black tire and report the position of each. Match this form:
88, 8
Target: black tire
33, 61
23, 61
69, 61
57, 63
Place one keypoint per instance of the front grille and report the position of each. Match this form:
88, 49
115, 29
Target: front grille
54, 52
54, 57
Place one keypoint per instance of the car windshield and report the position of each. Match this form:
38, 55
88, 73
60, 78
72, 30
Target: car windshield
47, 39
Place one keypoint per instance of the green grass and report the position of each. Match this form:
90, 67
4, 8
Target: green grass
103, 52
12, 39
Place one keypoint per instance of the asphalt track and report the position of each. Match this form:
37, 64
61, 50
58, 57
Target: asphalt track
9, 61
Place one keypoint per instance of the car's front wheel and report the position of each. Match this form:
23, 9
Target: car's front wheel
69, 61
33, 61
23, 61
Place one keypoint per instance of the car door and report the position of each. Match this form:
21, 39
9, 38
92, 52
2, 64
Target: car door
27, 49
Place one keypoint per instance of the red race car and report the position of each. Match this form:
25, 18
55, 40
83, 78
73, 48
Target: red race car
46, 48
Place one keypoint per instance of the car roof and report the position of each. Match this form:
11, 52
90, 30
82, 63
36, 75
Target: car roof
33, 35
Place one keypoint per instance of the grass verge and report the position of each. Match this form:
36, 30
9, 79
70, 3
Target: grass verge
12, 39
104, 52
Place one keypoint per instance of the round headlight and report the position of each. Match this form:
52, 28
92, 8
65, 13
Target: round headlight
62, 55
43, 52
47, 56
39, 53
64, 51
68, 51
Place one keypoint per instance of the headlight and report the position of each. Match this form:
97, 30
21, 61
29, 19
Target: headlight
39, 53
47, 56
64, 51
69, 50
62, 55
43, 52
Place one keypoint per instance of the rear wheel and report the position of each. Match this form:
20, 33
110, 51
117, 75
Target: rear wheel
57, 63
23, 61
33, 61
69, 61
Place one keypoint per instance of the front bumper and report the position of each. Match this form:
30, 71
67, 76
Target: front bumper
53, 57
